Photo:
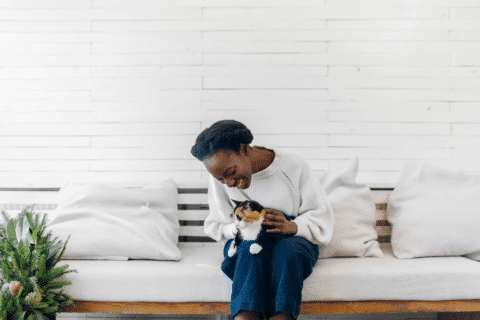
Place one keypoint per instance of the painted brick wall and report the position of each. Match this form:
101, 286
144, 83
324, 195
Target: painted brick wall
117, 90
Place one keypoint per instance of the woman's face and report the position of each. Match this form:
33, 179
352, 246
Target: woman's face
230, 168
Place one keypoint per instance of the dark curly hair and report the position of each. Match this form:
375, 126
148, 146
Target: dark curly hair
222, 135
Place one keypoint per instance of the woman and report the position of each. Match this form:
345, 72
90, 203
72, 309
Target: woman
270, 283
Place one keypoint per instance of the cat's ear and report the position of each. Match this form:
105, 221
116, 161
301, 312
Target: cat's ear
237, 203
263, 213
255, 206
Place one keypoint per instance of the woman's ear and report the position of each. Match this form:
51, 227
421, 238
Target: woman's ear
245, 149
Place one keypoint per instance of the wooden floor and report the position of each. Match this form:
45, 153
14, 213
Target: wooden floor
459, 316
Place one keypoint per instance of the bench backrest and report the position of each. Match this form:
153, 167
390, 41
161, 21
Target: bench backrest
192, 206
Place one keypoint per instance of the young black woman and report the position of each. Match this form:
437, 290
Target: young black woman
269, 284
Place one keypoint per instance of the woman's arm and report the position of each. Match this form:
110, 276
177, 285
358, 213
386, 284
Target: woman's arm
219, 223
315, 215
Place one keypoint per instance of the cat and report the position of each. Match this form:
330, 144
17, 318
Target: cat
249, 216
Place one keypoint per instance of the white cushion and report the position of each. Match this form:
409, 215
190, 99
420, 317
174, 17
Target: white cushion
435, 212
113, 223
197, 277
389, 278
354, 211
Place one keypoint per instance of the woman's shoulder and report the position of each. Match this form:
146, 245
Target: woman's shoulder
291, 159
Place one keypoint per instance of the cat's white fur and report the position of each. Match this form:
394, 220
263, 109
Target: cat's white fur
255, 248
250, 231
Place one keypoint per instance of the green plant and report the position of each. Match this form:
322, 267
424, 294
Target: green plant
29, 278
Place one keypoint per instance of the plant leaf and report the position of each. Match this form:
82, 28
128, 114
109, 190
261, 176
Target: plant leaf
29, 238
35, 235
22, 229
11, 231
5, 217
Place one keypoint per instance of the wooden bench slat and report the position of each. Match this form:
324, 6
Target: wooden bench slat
383, 231
381, 196
28, 197
381, 215
192, 198
383, 223
306, 308
17, 207
193, 214
195, 239
192, 231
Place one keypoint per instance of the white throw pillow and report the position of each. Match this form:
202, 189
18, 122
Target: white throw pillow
435, 212
115, 223
354, 210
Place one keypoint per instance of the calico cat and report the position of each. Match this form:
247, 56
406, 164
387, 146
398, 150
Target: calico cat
249, 216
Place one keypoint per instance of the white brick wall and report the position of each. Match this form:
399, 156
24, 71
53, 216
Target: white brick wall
117, 90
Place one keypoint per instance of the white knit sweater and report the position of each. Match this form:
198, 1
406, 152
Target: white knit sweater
287, 185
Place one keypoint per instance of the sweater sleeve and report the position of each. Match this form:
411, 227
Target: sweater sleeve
219, 222
315, 215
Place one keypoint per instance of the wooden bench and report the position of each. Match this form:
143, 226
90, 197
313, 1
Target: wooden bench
193, 208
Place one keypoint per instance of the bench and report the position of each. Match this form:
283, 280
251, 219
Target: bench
193, 208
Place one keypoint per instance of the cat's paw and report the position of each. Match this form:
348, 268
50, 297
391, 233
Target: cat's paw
255, 248
232, 250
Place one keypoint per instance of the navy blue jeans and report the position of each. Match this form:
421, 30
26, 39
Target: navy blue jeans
272, 280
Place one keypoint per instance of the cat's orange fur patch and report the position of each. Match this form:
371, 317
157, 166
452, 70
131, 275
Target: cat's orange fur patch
249, 215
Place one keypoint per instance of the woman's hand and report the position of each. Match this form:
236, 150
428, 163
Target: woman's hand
279, 222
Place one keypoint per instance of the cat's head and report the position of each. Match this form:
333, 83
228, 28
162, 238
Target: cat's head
249, 211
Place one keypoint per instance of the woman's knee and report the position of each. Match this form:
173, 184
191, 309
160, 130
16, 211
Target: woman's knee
296, 247
295, 253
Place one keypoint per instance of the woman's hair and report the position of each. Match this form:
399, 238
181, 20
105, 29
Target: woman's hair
222, 135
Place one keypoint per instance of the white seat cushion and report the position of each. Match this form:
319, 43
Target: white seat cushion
197, 277
390, 278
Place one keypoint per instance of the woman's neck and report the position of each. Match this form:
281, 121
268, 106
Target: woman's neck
261, 158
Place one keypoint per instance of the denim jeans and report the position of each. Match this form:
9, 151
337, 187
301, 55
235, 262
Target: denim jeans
272, 280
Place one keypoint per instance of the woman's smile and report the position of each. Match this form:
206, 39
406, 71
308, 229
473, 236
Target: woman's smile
242, 184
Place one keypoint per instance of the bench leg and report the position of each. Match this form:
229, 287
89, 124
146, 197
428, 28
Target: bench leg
458, 316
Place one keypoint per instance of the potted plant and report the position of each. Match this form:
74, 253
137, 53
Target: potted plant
30, 280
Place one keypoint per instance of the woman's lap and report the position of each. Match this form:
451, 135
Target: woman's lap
272, 280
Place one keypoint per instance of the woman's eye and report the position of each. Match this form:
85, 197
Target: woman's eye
227, 175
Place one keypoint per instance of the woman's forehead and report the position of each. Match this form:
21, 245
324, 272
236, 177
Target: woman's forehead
219, 161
